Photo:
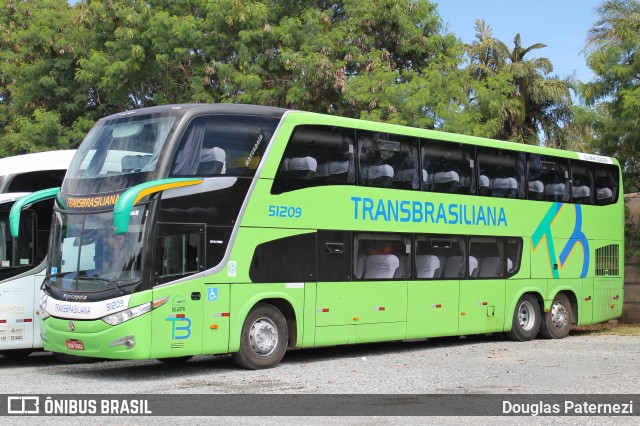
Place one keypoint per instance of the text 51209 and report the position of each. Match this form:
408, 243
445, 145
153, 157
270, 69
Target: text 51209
285, 211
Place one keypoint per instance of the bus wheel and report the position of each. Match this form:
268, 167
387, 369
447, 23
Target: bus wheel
526, 319
264, 338
556, 323
16, 353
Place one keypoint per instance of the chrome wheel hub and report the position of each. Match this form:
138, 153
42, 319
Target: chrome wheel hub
263, 336
559, 315
526, 315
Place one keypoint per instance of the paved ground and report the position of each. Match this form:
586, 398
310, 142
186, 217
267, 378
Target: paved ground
579, 364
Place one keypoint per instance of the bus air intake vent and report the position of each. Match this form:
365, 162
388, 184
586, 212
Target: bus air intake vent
607, 261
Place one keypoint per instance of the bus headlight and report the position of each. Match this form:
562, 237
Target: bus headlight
127, 314
43, 313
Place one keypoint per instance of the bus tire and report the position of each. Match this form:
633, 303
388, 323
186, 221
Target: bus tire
526, 319
556, 323
16, 353
264, 338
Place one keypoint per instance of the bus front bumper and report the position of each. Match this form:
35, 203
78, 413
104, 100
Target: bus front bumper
95, 338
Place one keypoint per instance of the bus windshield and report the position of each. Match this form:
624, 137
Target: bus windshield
86, 256
122, 145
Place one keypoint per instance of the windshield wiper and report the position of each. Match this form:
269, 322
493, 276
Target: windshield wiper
107, 280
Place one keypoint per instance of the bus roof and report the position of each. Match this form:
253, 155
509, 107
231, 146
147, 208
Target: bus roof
275, 112
48, 160
208, 109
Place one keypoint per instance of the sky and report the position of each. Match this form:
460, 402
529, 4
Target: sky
562, 25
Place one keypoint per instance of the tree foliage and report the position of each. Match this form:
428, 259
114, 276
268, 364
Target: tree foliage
40, 100
385, 60
613, 53
62, 67
513, 97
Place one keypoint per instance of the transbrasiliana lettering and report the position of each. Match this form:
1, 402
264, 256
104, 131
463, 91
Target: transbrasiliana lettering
72, 309
387, 210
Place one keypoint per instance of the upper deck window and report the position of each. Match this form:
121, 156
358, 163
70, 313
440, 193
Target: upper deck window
35, 181
606, 182
548, 178
123, 145
315, 156
388, 160
230, 145
500, 173
318, 155
448, 167
582, 185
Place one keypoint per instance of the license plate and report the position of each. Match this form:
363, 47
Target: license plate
75, 345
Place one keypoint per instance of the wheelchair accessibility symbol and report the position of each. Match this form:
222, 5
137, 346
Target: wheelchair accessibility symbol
212, 294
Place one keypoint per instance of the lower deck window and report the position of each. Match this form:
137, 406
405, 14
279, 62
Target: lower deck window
382, 256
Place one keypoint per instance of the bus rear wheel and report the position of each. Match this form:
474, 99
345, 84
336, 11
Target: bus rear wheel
264, 338
526, 319
556, 323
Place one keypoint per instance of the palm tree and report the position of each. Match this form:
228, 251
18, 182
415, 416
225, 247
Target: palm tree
487, 54
618, 18
533, 104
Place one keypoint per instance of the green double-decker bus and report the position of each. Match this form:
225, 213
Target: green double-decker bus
211, 229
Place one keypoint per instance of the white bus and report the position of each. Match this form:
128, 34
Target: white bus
23, 257
32, 172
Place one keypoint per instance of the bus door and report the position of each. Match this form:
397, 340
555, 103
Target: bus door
334, 254
482, 293
179, 263
372, 306
433, 295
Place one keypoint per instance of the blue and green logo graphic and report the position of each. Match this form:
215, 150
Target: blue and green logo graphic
544, 232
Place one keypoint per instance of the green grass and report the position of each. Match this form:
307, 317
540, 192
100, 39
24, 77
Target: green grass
609, 327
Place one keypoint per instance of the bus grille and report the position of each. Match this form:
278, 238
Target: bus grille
607, 261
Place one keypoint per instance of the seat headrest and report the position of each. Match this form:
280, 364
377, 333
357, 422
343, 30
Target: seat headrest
580, 191
446, 177
507, 183
383, 170
301, 164
554, 188
536, 186
213, 154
